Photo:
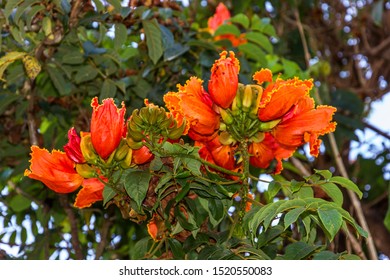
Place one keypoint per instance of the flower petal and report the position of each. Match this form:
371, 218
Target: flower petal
55, 170
72, 148
194, 104
91, 192
306, 127
284, 94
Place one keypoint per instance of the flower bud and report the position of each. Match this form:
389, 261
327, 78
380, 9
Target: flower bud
266, 126
121, 151
226, 116
85, 170
87, 148
126, 162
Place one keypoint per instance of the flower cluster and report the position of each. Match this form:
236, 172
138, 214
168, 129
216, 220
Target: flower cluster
273, 117
266, 121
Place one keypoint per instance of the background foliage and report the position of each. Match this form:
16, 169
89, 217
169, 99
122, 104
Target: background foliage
142, 49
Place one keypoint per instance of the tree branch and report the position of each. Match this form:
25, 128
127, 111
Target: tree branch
73, 225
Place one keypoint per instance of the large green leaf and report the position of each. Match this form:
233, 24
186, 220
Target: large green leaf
153, 39
331, 219
333, 192
292, 216
120, 35
136, 184
85, 73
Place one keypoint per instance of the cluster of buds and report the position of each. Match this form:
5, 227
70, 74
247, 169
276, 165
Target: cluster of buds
240, 122
151, 123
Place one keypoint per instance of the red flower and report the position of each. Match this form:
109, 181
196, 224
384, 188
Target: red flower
91, 192
107, 126
55, 170
224, 79
72, 148
193, 103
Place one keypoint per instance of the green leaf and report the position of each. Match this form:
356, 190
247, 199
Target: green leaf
19, 203
176, 248
116, 4
227, 29
108, 89
108, 194
261, 40
136, 183
331, 219
346, 183
299, 250
9, 6
73, 57
333, 192
216, 210
31, 14
288, 204
264, 212
140, 249
273, 189
292, 216
156, 164
153, 39
241, 19
63, 87
325, 255
253, 51
85, 73
326, 174
120, 35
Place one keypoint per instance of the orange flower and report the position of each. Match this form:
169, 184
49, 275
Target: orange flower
265, 152
55, 170
107, 125
224, 79
216, 153
193, 103
304, 127
91, 192
222, 16
72, 148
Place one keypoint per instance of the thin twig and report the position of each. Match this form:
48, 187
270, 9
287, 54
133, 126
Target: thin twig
103, 234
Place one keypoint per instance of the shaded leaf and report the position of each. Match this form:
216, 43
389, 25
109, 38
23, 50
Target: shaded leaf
108, 194
153, 39
292, 216
136, 183
299, 250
